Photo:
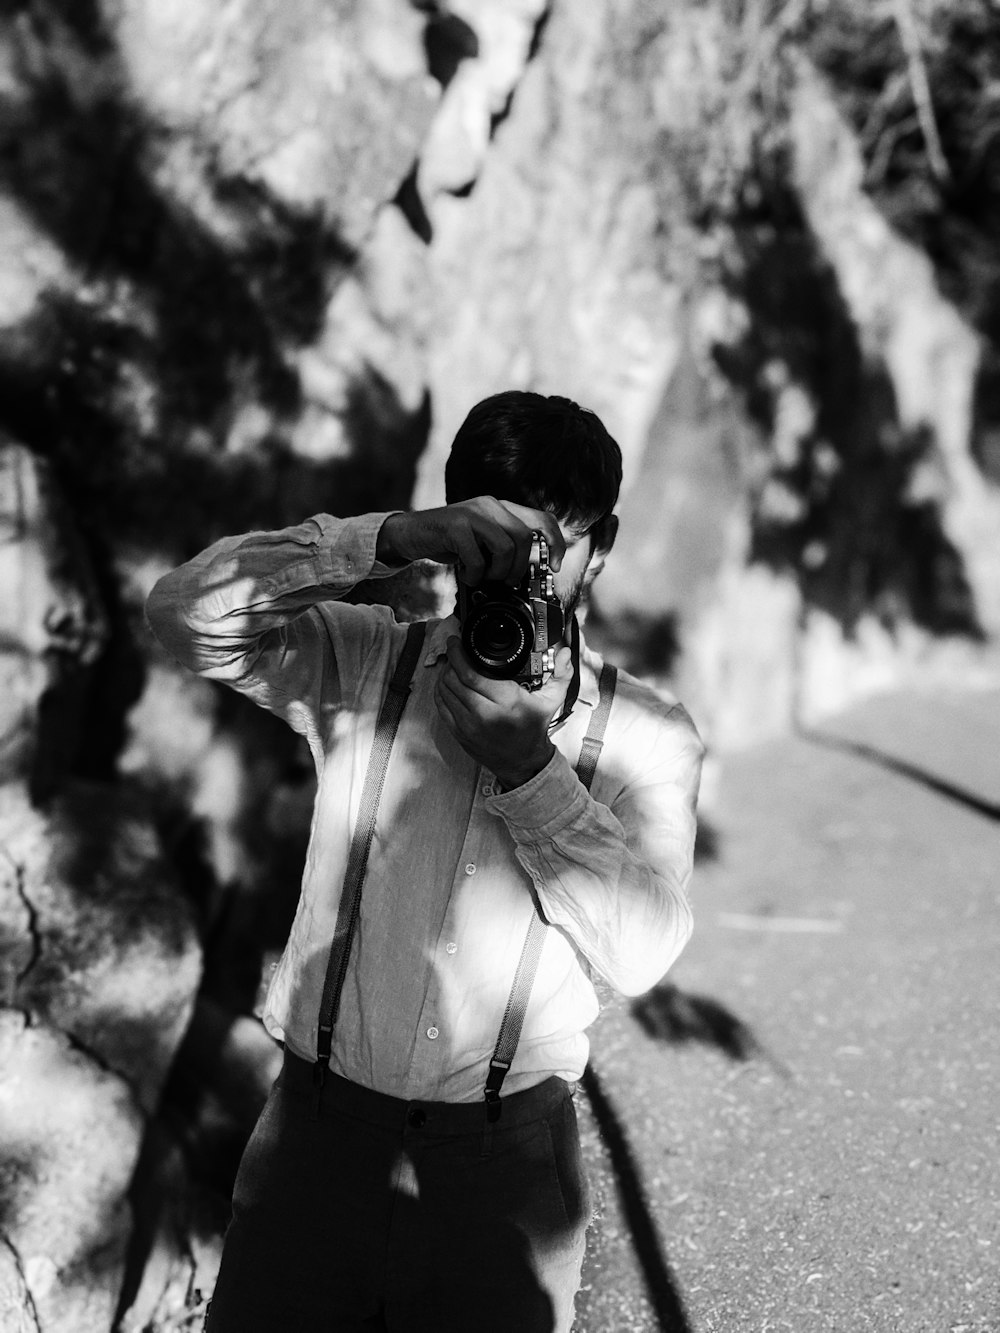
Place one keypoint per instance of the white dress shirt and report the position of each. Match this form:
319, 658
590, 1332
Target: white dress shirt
455, 863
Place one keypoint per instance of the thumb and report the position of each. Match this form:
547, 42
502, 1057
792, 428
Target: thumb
563, 664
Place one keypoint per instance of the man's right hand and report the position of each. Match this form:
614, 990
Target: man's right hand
484, 538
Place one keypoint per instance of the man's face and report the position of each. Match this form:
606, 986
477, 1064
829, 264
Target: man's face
578, 569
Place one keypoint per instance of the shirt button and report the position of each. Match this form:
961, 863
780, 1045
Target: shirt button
488, 789
451, 947
433, 1034
470, 869
417, 1118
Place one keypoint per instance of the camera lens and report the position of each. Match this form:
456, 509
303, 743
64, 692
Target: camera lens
499, 637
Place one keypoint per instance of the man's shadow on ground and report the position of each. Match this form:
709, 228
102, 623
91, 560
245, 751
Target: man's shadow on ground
667, 1014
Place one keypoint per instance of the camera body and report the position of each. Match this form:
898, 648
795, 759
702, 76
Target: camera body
513, 633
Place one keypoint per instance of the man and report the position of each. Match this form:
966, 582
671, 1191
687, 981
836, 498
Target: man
388, 1185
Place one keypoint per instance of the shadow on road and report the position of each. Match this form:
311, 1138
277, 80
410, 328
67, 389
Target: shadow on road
667, 1014
903, 767
661, 1286
670, 1015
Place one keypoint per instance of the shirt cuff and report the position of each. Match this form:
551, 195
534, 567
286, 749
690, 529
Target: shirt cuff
543, 805
347, 550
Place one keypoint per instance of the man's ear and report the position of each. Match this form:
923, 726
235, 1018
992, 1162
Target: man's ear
605, 534
603, 537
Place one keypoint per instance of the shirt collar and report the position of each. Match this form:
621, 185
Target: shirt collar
590, 670
590, 666
437, 639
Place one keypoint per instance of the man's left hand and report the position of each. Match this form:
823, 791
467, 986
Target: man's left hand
496, 722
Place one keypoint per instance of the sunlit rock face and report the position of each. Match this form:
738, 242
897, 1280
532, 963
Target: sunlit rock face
801, 516
71, 1133
929, 352
99, 956
483, 46
310, 236
109, 956
322, 104
375, 330
29, 264
561, 271
52, 626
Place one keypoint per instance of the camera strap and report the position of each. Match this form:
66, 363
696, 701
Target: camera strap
573, 692
531, 951
350, 899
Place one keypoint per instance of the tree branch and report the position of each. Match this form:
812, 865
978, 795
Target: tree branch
921, 88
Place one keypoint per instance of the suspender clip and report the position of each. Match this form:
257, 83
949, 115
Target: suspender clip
319, 1078
324, 1042
496, 1076
491, 1093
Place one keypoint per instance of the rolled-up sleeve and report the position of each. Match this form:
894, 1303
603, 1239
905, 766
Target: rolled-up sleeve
614, 876
251, 612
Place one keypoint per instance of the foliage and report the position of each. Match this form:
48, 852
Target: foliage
834, 500
931, 145
920, 81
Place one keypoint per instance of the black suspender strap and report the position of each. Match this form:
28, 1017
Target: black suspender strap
531, 951
513, 1018
350, 901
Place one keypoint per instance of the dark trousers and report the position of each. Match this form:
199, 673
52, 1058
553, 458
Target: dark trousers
357, 1211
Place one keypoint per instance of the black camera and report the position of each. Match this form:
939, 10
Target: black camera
513, 633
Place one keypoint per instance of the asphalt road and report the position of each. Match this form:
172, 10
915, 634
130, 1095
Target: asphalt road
801, 1134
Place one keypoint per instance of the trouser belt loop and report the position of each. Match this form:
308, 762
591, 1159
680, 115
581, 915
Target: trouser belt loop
489, 1120
321, 1065
319, 1078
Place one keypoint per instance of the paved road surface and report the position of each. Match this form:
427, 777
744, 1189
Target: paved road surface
805, 1136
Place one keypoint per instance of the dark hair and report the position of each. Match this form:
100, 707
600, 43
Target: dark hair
546, 453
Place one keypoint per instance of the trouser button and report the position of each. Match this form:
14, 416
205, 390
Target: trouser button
417, 1118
